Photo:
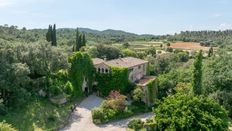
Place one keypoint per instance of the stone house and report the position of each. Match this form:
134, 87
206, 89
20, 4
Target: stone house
137, 71
137, 67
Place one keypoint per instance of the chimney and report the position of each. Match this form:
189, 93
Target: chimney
120, 56
104, 58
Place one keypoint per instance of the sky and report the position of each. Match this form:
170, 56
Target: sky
156, 17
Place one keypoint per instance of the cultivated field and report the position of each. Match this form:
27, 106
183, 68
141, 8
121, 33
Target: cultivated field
142, 45
188, 46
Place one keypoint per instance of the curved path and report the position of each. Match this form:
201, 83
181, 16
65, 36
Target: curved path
81, 119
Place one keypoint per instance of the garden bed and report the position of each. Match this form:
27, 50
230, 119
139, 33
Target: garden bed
101, 115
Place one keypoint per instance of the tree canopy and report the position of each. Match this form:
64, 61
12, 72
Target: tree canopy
188, 112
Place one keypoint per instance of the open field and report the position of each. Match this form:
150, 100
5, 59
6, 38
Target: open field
142, 45
188, 46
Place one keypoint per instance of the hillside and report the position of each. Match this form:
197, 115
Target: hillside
67, 35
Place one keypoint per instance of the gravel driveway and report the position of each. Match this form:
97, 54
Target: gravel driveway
81, 119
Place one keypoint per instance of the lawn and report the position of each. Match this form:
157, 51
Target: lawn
39, 114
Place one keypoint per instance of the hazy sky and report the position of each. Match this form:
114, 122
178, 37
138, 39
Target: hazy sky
137, 16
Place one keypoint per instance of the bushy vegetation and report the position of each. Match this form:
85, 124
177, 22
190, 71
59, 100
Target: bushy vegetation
217, 79
25, 69
115, 108
188, 112
112, 108
137, 94
136, 124
6, 127
168, 82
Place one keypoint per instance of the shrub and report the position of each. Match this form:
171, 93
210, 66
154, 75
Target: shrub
115, 101
6, 127
99, 116
136, 124
137, 94
114, 108
68, 88
150, 124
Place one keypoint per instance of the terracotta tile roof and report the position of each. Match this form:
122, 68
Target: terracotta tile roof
126, 62
97, 61
144, 81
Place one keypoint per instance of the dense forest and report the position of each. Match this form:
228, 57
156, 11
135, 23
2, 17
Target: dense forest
40, 64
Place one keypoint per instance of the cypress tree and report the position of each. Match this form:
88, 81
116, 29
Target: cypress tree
49, 34
54, 43
77, 36
210, 53
78, 42
83, 40
197, 74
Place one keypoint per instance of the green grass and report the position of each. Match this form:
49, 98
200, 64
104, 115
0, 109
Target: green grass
141, 45
38, 114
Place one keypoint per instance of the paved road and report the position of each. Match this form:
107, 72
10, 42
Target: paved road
81, 119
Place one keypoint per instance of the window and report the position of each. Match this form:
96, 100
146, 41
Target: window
130, 70
106, 70
139, 66
102, 70
99, 69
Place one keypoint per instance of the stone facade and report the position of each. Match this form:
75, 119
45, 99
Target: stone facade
143, 84
137, 72
137, 67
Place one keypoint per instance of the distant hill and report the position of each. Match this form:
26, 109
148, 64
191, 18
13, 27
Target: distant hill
67, 35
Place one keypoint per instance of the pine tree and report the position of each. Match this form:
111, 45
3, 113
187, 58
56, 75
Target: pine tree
54, 43
197, 74
49, 34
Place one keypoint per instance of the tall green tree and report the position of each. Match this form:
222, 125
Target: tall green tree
83, 39
210, 53
54, 43
49, 34
197, 74
78, 41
